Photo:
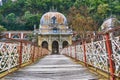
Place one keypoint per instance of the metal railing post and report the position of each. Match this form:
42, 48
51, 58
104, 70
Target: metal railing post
41, 52
75, 53
109, 50
67, 52
33, 53
20, 54
37, 52
84, 48
70, 51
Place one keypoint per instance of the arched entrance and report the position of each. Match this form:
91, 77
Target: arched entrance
55, 47
45, 44
65, 44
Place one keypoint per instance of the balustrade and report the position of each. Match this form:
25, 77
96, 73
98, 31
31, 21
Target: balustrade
58, 31
15, 54
101, 52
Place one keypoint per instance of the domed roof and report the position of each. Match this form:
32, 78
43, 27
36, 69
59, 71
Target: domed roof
110, 23
53, 17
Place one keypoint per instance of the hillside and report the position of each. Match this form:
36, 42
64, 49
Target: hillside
81, 14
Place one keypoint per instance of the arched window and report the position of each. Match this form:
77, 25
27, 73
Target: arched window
26, 37
65, 44
16, 36
53, 19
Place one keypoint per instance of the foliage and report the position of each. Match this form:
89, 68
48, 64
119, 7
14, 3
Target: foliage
81, 22
103, 9
30, 37
82, 15
2, 29
11, 17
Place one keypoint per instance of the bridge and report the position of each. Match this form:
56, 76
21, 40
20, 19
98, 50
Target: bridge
92, 58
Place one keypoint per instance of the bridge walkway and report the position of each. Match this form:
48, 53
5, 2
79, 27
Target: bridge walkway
53, 67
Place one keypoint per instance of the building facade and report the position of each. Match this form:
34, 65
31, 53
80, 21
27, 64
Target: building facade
23, 35
54, 33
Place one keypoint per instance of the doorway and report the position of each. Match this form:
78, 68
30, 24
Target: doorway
55, 47
45, 44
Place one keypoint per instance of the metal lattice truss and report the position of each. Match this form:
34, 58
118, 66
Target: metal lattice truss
26, 52
8, 56
80, 52
116, 54
63, 51
36, 51
69, 51
97, 55
72, 51
14, 54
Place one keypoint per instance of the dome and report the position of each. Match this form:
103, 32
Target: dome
53, 18
109, 23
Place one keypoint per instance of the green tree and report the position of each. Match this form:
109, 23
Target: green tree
31, 19
2, 29
103, 9
23, 14
1, 17
11, 17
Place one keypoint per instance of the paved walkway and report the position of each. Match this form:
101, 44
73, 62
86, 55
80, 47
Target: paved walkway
53, 67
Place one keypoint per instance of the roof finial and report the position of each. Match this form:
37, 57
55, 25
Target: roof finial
53, 9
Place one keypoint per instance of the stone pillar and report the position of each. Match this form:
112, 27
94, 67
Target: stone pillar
22, 35
50, 43
9, 35
60, 46
39, 41
50, 46
70, 40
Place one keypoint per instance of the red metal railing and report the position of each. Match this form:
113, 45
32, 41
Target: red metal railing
15, 54
101, 51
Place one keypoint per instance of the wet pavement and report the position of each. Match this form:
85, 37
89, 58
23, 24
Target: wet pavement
53, 67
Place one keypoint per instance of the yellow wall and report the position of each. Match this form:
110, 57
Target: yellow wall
50, 39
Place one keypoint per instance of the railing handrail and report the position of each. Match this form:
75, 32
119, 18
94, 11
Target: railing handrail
18, 53
103, 54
